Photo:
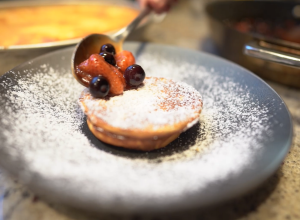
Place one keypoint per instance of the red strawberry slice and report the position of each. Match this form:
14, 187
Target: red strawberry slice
124, 59
95, 66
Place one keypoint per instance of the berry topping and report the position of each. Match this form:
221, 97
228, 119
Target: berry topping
124, 59
96, 65
134, 75
99, 87
108, 48
108, 58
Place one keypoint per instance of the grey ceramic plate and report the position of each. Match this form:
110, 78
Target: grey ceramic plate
244, 134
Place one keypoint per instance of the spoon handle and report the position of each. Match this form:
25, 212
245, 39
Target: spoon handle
124, 32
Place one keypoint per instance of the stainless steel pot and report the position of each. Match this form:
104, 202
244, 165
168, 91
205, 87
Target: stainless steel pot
270, 58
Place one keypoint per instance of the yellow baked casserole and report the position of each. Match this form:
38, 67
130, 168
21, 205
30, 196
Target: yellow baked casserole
52, 23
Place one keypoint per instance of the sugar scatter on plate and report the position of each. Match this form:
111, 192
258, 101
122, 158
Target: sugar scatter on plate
41, 131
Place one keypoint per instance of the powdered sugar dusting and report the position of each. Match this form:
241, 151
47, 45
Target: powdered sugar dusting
155, 104
42, 133
231, 117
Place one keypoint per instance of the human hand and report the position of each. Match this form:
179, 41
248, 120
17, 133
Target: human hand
158, 6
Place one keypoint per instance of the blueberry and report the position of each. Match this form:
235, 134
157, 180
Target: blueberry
108, 58
134, 75
99, 87
108, 48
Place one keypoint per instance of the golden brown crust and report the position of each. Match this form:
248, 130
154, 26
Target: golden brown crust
149, 136
132, 142
139, 133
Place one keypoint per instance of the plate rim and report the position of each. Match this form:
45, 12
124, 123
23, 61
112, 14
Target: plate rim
241, 192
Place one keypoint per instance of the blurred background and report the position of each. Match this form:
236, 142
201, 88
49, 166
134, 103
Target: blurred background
212, 29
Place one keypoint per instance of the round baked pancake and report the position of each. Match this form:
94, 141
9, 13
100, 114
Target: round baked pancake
146, 118
244, 133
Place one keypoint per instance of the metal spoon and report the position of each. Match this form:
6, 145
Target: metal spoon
91, 44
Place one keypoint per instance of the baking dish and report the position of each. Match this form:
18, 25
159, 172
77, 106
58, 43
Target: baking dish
10, 56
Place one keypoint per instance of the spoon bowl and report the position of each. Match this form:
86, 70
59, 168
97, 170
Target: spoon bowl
91, 44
